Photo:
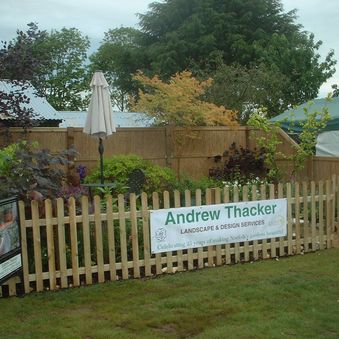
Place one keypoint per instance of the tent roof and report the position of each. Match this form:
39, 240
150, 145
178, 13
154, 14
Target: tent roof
290, 119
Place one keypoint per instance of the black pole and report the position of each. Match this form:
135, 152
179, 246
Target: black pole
101, 152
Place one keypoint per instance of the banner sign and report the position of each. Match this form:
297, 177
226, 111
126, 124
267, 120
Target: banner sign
10, 248
197, 226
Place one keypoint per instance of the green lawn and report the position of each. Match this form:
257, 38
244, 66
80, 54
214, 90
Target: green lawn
293, 297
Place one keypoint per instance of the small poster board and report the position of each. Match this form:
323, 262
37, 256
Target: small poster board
10, 240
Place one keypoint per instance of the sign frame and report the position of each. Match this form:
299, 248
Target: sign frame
10, 240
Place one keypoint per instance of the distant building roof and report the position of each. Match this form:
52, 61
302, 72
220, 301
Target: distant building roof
39, 105
121, 119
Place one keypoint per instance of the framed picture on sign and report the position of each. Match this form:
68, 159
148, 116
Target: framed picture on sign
10, 244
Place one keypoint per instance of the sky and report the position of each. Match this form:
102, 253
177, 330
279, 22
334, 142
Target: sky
94, 17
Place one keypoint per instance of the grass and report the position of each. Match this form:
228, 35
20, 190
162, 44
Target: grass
293, 297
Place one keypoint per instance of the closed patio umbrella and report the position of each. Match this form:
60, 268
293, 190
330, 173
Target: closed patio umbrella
99, 122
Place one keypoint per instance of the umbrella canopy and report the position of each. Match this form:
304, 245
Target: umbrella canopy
99, 122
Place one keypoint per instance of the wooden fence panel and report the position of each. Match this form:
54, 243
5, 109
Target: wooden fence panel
158, 262
246, 243
123, 243
86, 240
146, 234
134, 235
74, 241
62, 243
297, 217
177, 204
273, 252
111, 238
188, 202
37, 246
127, 253
50, 244
226, 193
169, 259
24, 250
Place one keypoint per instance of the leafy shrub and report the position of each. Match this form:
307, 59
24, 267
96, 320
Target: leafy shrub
117, 169
31, 173
187, 183
240, 164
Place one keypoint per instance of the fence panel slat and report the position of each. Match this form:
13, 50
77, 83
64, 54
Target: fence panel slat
217, 200
177, 203
86, 240
289, 219
169, 261
198, 202
264, 241
297, 217
37, 246
24, 253
281, 239
74, 241
226, 195
62, 243
158, 264
12, 286
111, 238
123, 244
188, 203
306, 222
321, 214
255, 242
146, 234
50, 244
273, 248
98, 239
313, 217
328, 214
210, 257
246, 243
134, 235
237, 244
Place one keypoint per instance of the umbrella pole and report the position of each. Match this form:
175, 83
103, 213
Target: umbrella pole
101, 152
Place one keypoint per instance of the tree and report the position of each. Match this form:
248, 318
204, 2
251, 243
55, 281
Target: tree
244, 88
19, 62
119, 56
54, 63
63, 78
22, 57
179, 103
199, 35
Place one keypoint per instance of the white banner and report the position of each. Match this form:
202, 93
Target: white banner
197, 226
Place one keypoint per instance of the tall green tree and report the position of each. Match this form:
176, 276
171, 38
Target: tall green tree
201, 35
22, 57
244, 88
55, 63
19, 63
120, 56
64, 78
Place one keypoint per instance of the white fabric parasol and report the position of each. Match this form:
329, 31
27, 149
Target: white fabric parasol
99, 122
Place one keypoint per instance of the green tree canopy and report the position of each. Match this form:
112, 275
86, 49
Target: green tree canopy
120, 56
204, 35
55, 63
64, 78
